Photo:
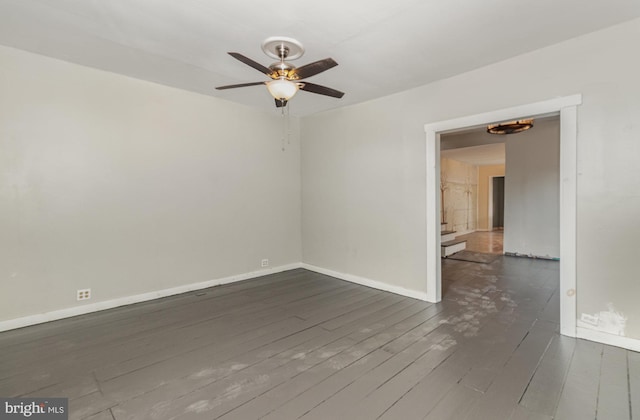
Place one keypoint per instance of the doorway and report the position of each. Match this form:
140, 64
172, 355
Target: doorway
469, 159
566, 107
496, 212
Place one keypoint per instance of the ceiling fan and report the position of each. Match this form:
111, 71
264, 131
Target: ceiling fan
286, 79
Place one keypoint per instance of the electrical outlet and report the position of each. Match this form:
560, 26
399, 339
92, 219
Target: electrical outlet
265, 262
83, 294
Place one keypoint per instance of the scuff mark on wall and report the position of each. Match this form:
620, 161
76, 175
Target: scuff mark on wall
609, 321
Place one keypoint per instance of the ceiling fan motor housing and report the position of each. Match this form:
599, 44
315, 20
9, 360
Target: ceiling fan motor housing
282, 69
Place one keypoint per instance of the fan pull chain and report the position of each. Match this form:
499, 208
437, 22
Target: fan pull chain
286, 126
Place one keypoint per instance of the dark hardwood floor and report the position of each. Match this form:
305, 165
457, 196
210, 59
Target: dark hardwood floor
303, 345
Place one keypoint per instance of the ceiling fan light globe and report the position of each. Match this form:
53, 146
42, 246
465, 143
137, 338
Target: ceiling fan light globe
282, 89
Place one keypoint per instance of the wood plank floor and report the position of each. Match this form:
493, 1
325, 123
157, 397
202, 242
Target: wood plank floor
303, 345
486, 242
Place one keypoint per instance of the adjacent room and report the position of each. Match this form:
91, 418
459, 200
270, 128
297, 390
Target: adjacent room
489, 181
238, 210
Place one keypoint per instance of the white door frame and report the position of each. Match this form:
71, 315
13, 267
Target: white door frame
567, 107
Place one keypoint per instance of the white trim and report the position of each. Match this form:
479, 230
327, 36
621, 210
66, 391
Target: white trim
568, 181
452, 249
568, 222
538, 108
368, 282
434, 251
128, 300
610, 339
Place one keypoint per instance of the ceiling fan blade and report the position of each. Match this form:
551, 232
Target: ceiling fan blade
314, 68
280, 103
251, 63
240, 85
321, 90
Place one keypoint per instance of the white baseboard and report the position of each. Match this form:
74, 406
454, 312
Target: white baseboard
535, 257
610, 339
128, 300
581, 332
368, 282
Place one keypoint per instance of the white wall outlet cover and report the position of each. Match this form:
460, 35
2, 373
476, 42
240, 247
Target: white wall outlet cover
83, 294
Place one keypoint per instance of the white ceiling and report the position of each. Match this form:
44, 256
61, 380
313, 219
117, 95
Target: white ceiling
487, 154
382, 47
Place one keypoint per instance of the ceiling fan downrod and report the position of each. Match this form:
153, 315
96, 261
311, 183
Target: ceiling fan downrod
282, 51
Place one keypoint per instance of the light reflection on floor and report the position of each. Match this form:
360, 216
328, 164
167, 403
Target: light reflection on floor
487, 242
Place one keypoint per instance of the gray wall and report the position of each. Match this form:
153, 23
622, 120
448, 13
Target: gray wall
363, 167
128, 187
532, 191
